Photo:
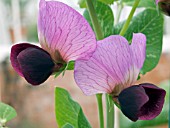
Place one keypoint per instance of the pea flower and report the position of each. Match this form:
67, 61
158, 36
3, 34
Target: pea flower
64, 36
164, 6
113, 69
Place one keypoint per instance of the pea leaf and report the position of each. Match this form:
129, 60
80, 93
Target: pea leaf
159, 120
82, 3
7, 113
107, 1
105, 17
68, 112
143, 3
150, 23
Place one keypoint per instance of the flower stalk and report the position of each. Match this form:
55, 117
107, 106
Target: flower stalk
126, 25
109, 111
100, 109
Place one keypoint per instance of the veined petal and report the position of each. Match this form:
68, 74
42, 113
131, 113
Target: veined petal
138, 48
143, 102
15, 50
62, 29
106, 68
113, 66
36, 65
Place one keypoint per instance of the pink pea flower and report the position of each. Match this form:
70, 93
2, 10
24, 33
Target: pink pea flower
113, 69
64, 36
164, 6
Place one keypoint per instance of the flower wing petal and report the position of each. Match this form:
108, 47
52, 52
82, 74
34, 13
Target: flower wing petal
107, 67
36, 65
144, 101
155, 104
15, 50
62, 29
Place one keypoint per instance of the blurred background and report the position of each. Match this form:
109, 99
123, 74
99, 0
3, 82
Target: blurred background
35, 105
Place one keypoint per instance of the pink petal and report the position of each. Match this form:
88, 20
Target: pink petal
138, 47
113, 64
157, 1
63, 29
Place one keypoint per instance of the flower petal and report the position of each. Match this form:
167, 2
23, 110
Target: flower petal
106, 68
35, 64
144, 101
15, 50
138, 48
64, 30
155, 104
157, 1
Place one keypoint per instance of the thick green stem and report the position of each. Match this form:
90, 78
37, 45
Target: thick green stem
126, 25
100, 109
109, 111
93, 16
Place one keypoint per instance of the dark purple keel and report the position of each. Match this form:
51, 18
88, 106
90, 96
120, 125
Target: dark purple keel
31, 62
143, 101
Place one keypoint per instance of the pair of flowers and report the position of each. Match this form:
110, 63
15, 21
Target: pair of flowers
108, 66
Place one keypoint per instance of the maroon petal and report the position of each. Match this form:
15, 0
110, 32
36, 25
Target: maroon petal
15, 50
144, 101
36, 65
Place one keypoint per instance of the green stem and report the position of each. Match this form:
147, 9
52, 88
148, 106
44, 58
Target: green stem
126, 25
93, 16
100, 109
109, 111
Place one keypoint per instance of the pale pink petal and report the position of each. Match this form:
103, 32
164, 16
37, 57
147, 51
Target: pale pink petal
113, 64
157, 1
106, 68
138, 48
62, 29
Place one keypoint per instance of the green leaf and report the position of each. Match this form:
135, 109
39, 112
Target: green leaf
82, 3
150, 23
107, 1
159, 120
143, 3
68, 112
7, 113
105, 18
68, 126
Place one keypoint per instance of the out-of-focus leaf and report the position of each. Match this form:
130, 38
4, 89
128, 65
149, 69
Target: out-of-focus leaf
159, 120
82, 3
105, 18
143, 3
7, 113
107, 1
68, 112
150, 23
68, 126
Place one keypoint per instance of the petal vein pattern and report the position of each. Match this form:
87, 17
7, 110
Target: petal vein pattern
115, 63
63, 29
